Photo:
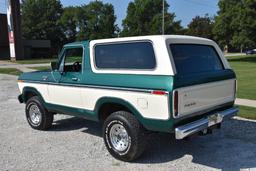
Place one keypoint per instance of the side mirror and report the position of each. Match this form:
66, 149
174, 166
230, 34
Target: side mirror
53, 66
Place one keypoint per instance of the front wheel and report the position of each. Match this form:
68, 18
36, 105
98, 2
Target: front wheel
124, 136
37, 116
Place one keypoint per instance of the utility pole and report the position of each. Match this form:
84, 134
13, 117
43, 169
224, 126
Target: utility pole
163, 19
14, 30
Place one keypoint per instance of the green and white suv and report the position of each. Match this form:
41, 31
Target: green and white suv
134, 85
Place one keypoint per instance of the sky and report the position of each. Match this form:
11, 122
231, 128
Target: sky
185, 10
2, 6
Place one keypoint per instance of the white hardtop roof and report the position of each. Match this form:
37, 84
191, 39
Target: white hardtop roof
152, 37
165, 66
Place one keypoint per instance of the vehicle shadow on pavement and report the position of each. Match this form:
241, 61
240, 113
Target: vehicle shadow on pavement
75, 123
231, 148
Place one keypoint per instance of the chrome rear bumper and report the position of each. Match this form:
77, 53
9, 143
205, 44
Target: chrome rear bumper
204, 123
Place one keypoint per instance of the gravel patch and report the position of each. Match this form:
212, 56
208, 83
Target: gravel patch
76, 144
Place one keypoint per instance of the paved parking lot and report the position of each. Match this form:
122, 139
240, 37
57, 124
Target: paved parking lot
76, 144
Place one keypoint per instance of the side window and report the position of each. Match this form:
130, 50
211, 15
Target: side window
72, 60
134, 55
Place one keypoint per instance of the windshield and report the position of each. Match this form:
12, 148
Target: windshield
195, 58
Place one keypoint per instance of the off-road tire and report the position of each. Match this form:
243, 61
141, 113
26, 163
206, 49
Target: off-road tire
136, 135
46, 119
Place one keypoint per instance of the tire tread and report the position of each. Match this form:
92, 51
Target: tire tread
47, 117
138, 131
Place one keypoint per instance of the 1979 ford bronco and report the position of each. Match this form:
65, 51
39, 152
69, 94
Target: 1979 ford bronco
175, 84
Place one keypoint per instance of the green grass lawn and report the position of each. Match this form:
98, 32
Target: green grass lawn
247, 112
40, 68
11, 71
245, 68
47, 60
36, 61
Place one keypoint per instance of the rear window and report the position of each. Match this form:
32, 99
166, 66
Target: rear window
191, 58
136, 55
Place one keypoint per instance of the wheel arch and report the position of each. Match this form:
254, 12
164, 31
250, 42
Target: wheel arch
115, 102
149, 124
29, 92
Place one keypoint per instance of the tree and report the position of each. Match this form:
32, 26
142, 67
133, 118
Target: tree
40, 20
96, 20
245, 34
201, 26
69, 23
235, 24
144, 17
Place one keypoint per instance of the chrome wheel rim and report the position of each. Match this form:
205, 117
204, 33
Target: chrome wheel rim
35, 114
119, 137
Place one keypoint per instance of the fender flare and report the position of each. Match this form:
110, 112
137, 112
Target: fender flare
119, 101
149, 124
27, 90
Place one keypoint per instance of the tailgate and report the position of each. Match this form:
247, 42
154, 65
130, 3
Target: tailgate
201, 97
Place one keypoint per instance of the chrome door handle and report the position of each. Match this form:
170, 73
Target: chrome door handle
74, 79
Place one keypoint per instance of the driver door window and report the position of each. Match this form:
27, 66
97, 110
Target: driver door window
72, 60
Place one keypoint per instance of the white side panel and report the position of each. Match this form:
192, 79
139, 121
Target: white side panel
41, 88
149, 105
200, 97
65, 96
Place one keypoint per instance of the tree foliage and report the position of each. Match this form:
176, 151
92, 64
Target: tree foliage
69, 23
46, 19
144, 17
235, 24
201, 26
40, 20
96, 20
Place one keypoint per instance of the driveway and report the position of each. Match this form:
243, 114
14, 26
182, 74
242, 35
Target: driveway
21, 67
76, 144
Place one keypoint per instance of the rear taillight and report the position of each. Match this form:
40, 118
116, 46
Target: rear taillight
175, 103
159, 92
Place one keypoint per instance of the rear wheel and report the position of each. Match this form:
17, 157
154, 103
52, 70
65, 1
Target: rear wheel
124, 136
37, 116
